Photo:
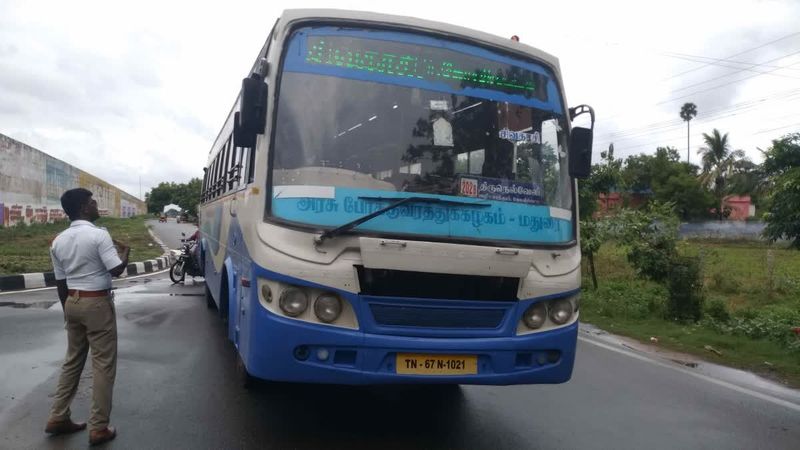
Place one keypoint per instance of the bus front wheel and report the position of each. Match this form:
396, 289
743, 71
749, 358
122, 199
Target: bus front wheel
209, 299
243, 377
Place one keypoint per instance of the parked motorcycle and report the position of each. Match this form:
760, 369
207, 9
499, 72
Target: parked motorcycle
185, 261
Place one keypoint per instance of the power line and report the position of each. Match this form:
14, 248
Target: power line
711, 61
741, 106
706, 90
735, 54
778, 128
751, 67
769, 72
722, 114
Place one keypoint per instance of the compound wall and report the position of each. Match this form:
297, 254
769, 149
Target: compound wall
31, 184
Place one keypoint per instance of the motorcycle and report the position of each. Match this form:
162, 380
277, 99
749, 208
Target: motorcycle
185, 261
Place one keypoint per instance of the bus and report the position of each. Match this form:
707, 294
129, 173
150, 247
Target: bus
393, 200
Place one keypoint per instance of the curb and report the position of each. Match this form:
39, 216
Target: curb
48, 279
35, 280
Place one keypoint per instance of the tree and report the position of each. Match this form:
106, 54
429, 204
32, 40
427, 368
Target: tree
160, 196
666, 179
718, 165
749, 178
185, 195
604, 177
782, 165
688, 112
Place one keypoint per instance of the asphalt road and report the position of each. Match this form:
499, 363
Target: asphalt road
174, 390
170, 231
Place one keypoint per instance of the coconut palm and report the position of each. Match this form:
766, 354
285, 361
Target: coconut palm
688, 112
719, 162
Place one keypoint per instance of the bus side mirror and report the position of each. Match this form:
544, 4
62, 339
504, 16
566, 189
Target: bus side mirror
250, 120
580, 144
580, 153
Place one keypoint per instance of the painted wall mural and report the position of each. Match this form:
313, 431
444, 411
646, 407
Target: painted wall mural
31, 184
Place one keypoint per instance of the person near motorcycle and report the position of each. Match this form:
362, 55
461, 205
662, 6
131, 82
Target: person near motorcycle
188, 259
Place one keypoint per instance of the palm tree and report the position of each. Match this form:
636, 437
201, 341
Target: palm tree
719, 162
688, 112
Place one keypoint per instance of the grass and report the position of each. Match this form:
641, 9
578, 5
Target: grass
25, 249
757, 355
757, 287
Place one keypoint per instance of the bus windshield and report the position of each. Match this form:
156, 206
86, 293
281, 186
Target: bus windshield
367, 117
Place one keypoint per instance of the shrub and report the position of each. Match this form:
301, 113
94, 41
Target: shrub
650, 237
725, 283
775, 324
717, 310
632, 300
685, 287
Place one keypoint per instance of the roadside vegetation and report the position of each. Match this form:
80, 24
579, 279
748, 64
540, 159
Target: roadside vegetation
730, 302
25, 248
750, 309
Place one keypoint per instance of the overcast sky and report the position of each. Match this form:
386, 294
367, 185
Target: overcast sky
130, 90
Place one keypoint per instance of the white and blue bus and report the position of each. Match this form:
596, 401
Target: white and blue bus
393, 200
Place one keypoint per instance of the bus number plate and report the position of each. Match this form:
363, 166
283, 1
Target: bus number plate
415, 364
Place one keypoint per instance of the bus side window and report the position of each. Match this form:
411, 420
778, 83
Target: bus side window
216, 175
226, 166
251, 165
203, 186
246, 165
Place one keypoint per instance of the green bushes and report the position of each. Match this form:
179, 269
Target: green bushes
628, 299
775, 324
685, 286
716, 309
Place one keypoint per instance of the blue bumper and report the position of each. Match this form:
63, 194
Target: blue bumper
283, 349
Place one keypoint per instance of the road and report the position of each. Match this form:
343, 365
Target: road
170, 231
173, 390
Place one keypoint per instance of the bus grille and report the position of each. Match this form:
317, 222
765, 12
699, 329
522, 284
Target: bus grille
399, 283
431, 317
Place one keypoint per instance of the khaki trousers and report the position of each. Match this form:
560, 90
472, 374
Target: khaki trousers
91, 322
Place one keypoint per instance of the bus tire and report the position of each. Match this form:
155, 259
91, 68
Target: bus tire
243, 377
223, 298
209, 299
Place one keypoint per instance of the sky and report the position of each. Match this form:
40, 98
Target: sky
135, 92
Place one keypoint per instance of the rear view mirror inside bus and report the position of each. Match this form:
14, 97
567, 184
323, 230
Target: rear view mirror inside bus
250, 121
580, 149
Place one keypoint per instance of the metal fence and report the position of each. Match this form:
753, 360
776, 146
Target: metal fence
723, 230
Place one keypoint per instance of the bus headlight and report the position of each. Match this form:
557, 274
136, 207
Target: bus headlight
327, 307
535, 315
293, 302
561, 311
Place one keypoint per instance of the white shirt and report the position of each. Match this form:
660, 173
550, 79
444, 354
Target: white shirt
83, 254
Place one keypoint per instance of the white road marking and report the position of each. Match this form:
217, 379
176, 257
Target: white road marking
740, 389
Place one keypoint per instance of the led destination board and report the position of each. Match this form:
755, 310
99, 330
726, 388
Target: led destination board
397, 59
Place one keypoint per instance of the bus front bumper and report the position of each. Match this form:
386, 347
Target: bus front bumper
283, 349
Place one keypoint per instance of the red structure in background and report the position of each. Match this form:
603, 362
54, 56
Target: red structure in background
740, 206
607, 204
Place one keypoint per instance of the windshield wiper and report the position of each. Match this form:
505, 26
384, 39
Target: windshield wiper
397, 201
